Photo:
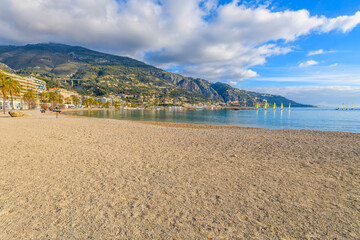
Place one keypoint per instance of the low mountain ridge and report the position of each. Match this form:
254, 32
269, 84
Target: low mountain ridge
110, 74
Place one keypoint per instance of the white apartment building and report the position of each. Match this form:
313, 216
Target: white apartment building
26, 83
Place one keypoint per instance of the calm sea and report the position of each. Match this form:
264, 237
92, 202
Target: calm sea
297, 118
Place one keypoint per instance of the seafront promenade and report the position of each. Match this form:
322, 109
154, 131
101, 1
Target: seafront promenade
87, 178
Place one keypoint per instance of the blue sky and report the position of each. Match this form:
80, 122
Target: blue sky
338, 67
305, 50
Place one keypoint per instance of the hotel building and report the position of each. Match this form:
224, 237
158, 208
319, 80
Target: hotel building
26, 83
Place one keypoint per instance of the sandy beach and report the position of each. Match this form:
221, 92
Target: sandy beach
87, 178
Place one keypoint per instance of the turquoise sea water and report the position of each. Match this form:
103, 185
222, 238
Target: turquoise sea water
297, 118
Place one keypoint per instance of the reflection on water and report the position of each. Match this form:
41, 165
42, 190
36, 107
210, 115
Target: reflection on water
300, 118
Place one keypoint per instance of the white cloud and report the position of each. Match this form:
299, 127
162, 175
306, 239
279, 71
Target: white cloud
342, 23
217, 42
233, 83
333, 65
308, 63
320, 51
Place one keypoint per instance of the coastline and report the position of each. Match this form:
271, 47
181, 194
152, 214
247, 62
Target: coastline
194, 125
81, 177
164, 124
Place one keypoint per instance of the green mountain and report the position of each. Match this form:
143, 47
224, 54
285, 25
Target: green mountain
99, 74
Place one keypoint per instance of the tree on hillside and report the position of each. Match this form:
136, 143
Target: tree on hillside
14, 88
4, 82
29, 98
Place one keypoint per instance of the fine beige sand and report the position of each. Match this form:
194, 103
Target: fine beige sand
84, 178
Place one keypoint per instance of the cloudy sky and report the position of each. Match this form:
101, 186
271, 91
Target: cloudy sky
307, 50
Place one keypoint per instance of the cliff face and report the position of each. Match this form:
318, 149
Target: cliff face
200, 86
121, 74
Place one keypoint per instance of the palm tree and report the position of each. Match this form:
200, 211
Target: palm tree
116, 104
4, 82
55, 98
98, 103
75, 100
43, 96
52, 98
60, 98
29, 98
14, 88
88, 102
67, 100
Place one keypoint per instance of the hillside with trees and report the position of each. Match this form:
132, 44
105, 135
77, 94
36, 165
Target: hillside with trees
100, 74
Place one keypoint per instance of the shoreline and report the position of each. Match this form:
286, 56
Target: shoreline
196, 125
171, 124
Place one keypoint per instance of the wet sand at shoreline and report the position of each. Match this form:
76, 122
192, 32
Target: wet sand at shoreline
76, 177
